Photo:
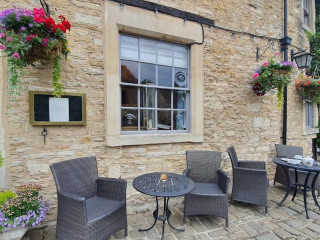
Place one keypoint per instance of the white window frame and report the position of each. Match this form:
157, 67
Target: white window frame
139, 86
307, 12
140, 22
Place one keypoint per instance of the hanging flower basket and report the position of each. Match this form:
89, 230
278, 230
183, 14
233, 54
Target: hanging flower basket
308, 87
29, 36
273, 75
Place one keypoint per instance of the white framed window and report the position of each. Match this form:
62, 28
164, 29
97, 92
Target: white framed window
155, 87
309, 114
152, 29
306, 12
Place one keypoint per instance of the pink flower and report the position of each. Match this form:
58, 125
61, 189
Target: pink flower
2, 35
2, 47
45, 42
9, 39
255, 75
16, 55
265, 64
275, 54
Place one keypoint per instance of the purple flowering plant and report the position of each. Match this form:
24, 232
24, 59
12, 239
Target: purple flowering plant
29, 36
273, 74
27, 208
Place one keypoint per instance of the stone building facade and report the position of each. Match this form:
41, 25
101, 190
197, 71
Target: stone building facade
224, 110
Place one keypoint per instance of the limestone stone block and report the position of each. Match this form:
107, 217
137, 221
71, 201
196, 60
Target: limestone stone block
87, 19
261, 122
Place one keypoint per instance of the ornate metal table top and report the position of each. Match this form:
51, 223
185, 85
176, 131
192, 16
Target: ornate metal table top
300, 166
175, 185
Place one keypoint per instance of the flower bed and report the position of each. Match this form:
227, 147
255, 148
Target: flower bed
273, 75
29, 36
308, 87
25, 208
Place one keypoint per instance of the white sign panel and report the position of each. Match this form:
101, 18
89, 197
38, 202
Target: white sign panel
58, 109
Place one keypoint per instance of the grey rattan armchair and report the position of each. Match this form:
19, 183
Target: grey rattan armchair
210, 195
89, 208
280, 176
250, 182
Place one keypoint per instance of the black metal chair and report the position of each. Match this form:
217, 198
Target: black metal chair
250, 182
210, 195
89, 208
280, 176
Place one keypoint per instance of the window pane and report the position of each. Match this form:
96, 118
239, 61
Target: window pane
309, 114
147, 74
148, 51
165, 54
164, 120
129, 120
180, 56
179, 120
179, 99
147, 97
180, 77
129, 48
165, 76
129, 96
129, 71
164, 98
147, 121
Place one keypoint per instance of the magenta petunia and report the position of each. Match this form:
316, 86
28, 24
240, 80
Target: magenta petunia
2, 47
265, 64
9, 39
255, 75
16, 55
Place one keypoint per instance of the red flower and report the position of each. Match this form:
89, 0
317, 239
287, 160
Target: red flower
59, 26
66, 24
319, 82
307, 83
49, 22
62, 17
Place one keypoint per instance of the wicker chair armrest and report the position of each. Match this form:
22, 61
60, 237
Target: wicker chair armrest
250, 175
72, 206
223, 180
112, 188
252, 164
186, 172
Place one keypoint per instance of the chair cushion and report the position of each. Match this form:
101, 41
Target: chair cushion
99, 207
207, 189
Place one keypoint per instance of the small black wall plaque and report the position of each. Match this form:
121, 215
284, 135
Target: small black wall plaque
46, 110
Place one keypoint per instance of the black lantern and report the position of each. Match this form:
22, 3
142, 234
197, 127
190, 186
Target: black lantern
303, 58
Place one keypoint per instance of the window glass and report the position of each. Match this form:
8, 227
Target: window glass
306, 12
129, 96
165, 76
165, 54
148, 52
147, 74
129, 47
309, 114
180, 56
154, 86
129, 72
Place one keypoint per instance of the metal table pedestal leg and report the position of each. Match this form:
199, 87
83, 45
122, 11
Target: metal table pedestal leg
288, 185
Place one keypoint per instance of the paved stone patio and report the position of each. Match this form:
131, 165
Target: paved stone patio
245, 222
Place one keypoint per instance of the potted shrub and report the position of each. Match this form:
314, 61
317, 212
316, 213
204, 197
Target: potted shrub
273, 75
25, 208
29, 36
308, 87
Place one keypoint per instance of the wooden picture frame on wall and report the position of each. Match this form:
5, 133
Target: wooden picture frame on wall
46, 110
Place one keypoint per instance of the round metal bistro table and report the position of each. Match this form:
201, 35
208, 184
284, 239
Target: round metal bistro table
296, 186
175, 185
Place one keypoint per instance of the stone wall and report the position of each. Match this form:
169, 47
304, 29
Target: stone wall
233, 115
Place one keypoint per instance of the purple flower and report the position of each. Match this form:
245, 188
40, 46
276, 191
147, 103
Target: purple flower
30, 25
22, 28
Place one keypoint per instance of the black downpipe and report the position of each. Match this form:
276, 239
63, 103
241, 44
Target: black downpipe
285, 91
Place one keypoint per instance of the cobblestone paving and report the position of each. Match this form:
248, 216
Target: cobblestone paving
245, 222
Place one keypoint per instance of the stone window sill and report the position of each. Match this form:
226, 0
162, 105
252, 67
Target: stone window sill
144, 139
310, 131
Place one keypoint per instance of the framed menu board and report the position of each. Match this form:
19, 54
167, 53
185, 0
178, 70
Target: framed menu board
45, 109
